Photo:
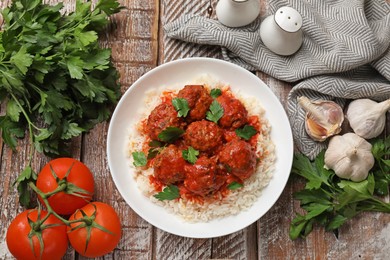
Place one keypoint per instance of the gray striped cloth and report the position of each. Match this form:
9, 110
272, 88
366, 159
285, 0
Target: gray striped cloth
345, 53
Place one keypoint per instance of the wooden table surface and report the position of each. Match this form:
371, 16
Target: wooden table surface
139, 45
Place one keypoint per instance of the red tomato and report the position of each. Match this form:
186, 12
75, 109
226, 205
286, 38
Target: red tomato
55, 240
64, 202
100, 242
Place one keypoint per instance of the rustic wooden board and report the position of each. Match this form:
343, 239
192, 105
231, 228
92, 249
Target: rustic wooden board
139, 44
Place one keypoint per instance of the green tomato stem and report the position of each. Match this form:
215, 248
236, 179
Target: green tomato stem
47, 204
89, 221
61, 187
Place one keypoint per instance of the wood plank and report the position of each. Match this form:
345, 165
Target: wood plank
12, 163
242, 244
133, 39
171, 49
168, 246
272, 239
239, 245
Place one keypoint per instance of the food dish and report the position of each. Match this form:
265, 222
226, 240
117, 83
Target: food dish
224, 157
177, 72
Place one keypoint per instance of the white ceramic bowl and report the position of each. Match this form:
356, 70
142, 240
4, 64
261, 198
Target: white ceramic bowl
181, 71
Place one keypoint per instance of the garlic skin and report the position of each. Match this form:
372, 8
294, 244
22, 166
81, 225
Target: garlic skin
323, 118
367, 118
350, 156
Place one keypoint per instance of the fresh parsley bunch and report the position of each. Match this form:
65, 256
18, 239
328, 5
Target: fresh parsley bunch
55, 78
330, 201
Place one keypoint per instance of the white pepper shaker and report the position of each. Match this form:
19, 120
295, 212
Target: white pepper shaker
237, 13
281, 32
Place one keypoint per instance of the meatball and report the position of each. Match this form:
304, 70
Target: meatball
169, 165
238, 158
235, 114
198, 100
203, 135
161, 117
202, 178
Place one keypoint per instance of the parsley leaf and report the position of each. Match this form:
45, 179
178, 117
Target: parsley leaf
316, 176
170, 192
22, 60
215, 92
13, 110
155, 149
181, 106
215, 112
10, 131
139, 159
246, 132
190, 155
235, 185
108, 6
22, 181
170, 134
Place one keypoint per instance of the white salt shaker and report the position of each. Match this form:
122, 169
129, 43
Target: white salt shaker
281, 32
237, 13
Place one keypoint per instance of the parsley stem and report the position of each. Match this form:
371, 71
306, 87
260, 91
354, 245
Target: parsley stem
30, 125
3, 64
378, 205
16, 21
74, 26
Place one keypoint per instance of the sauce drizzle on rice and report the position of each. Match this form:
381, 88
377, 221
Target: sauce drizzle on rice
221, 156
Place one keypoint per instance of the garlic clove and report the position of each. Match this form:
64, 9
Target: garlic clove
367, 118
323, 118
350, 156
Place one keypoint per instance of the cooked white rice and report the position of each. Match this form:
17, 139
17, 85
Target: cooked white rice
237, 200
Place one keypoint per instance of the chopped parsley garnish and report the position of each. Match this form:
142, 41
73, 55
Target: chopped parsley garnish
190, 155
155, 143
170, 192
156, 148
153, 152
246, 132
235, 185
215, 112
181, 106
139, 159
215, 92
228, 168
170, 134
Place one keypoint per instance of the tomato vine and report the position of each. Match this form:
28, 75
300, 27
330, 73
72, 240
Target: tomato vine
85, 217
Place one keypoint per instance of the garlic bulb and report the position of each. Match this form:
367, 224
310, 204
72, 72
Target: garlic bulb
349, 156
367, 118
323, 118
